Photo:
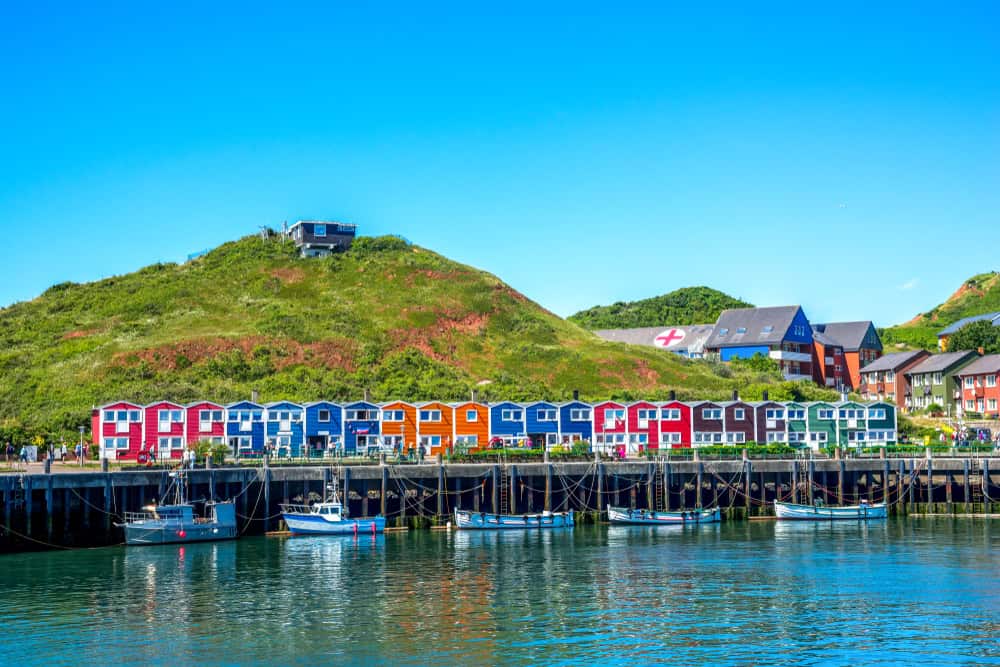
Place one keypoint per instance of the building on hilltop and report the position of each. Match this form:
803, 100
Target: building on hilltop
782, 333
946, 333
980, 387
932, 381
318, 238
861, 346
829, 365
885, 378
687, 341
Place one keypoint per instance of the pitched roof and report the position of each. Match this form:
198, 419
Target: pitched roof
941, 362
988, 364
824, 339
947, 331
894, 361
764, 326
850, 335
693, 342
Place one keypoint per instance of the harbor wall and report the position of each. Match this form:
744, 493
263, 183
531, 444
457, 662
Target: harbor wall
71, 510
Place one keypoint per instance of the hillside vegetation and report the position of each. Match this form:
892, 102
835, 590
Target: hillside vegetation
688, 305
398, 319
977, 295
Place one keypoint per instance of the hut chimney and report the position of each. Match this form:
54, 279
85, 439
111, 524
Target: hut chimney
576, 394
765, 395
736, 394
475, 396
673, 395
368, 395
255, 396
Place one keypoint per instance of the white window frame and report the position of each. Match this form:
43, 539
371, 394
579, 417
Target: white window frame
670, 438
472, 415
711, 413
670, 414
547, 415
511, 415
991, 380
579, 414
430, 415
736, 437
825, 413
324, 411
819, 436
739, 414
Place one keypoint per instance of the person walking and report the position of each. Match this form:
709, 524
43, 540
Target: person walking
9, 452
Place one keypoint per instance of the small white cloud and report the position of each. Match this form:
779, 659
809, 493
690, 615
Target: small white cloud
910, 284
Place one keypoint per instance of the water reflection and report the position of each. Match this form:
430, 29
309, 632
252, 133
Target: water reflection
840, 593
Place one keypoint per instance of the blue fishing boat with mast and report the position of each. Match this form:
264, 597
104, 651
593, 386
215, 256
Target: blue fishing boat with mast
328, 517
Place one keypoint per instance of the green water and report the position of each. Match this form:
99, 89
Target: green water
903, 591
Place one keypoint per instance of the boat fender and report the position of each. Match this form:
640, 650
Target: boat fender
143, 457
181, 533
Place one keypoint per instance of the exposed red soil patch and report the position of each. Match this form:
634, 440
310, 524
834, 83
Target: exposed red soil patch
444, 333
79, 333
288, 276
334, 354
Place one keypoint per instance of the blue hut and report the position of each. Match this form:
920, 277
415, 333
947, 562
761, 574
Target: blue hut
285, 431
324, 428
575, 422
507, 423
361, 427
541, 421
245, 428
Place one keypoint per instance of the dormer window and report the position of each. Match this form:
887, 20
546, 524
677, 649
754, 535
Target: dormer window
741, 330
723, 332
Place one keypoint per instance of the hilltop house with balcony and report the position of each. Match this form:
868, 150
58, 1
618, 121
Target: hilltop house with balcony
782, 333
932, 381
318, 238
885, 378
861, 346
828, 362
947, 332
980, 382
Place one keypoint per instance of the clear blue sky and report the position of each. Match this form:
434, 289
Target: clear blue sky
847, 159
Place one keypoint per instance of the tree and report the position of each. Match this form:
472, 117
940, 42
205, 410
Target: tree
977, 335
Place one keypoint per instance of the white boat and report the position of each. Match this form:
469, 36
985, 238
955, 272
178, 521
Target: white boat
820, 512
623, 515
328, 518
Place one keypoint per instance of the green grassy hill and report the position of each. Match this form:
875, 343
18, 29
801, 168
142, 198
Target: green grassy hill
977, 295
398, 319
688, 305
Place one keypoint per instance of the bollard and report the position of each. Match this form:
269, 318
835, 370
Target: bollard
104, 465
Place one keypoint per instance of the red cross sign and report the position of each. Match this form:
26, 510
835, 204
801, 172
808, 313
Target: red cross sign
669, 338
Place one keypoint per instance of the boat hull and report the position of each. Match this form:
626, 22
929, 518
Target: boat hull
624, 516
139, 535
311, 524
793, 512
485, 521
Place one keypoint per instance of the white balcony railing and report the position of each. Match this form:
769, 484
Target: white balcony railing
782, 355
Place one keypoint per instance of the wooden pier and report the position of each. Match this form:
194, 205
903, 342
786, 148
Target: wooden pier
80, 509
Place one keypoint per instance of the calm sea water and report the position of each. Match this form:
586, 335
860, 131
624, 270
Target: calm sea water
905, 591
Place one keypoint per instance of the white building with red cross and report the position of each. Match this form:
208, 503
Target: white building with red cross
687, 341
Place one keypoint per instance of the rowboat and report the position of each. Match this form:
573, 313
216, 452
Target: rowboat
485, 521
625, 516
820, 512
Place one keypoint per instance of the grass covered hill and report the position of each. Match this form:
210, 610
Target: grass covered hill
977, 295
688, 305
398, 319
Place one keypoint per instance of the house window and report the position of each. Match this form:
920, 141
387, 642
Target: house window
546, 415
510, 415
824, 414
876, 413
169, 443
741, 330
392, 415
797, 436
323, 415
991, 403
969, 382
797, 413
168, 418
774, 414
938, 378
670, 438
739, 414
646, 415
116, 443
776, 436
817, 437
711, 413
363, 415
766, 330
638, 438
430, 415
991, 380
210, 415
579, 415
319, 230
856, 436
970, 404
467, 440
735, 437
707, 437
723, 332
471, 416
614, 418
890, 376
671, 414
430, 440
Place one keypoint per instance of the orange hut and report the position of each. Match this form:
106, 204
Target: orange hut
435, 424
472, 425
399, 425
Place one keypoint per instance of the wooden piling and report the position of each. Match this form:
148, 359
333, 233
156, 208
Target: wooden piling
547, 505
795, 481
697, 496
667, 479
650, 483
966, 500
440, 491
600, 487
496, 489
748, 482
842, 470
347, 491
512, 491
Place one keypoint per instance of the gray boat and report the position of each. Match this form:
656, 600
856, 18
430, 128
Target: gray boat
177, 523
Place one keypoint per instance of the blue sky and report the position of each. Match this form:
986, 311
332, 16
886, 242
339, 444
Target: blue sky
844, 158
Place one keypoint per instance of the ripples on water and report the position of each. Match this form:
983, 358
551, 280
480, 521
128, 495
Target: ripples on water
916, 591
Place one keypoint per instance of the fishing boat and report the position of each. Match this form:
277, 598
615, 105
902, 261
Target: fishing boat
467, 520
625, 516
177, 522
821, 512
328, 518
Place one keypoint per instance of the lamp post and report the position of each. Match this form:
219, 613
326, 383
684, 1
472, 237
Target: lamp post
80, 457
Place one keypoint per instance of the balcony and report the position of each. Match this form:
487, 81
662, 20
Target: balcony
782, 355
797, 376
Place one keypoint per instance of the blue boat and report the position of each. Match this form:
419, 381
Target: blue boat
328, 518
466, 520
177, 523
